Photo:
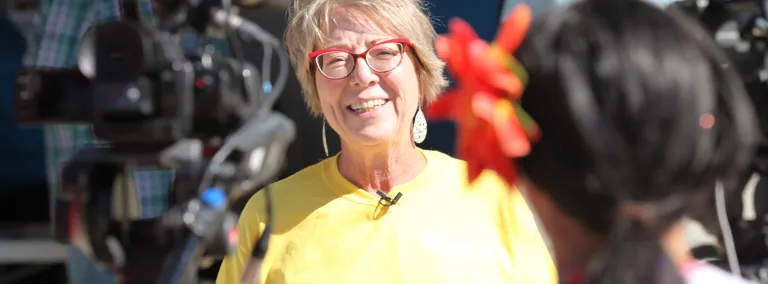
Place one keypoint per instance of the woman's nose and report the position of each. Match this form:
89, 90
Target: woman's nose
362, 75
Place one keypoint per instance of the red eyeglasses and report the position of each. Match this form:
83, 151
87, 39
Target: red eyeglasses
383, 57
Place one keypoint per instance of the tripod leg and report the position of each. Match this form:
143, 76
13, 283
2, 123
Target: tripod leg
98, 210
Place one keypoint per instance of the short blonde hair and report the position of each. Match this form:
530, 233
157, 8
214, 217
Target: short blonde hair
309, 21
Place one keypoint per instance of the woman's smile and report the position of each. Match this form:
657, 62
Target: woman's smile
368, 108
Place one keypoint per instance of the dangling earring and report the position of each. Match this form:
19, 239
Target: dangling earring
325, 142
419, 127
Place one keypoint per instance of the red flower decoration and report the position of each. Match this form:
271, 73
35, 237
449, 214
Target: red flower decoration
492, 127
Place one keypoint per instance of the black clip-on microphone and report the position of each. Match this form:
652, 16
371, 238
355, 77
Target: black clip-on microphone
386, 200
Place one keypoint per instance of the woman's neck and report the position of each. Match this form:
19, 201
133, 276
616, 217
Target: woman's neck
381, 167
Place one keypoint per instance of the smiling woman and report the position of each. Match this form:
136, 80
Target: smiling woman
368, 67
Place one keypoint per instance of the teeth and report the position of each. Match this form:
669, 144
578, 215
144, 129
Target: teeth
367, 105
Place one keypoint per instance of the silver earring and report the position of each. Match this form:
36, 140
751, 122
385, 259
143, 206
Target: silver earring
325, 142
419, 127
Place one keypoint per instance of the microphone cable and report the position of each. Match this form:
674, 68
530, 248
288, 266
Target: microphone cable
252, 271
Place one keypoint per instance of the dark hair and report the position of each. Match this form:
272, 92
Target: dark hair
623, 92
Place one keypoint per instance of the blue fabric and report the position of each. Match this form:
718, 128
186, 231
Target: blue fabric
22, 159
537, 6
484, 17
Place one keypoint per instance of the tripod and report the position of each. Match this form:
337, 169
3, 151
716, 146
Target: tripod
167, 248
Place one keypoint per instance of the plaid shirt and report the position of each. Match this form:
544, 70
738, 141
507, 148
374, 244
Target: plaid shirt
62, 25
64, 22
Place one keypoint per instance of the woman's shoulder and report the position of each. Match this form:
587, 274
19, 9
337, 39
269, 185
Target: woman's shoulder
309, 177
290, 188
454, 171
450, 168
444, 160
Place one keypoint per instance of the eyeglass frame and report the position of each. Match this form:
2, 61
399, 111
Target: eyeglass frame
315, 54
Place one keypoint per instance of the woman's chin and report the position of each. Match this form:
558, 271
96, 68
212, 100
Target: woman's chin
370, 138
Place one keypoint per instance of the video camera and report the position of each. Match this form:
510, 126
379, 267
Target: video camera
207, 118
740, 27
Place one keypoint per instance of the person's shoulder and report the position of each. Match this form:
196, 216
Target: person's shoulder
708, 274
454, 171
445, 161
488, 187
289, 189
308, 176
451, 167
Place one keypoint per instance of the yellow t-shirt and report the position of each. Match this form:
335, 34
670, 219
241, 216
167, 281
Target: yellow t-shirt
326, 230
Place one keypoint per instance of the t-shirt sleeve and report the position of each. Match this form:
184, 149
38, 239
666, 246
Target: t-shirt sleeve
250, 227
531, 256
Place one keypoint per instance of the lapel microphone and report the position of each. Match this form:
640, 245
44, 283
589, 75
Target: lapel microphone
386, 200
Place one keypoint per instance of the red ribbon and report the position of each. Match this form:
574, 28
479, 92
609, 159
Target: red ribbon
492, 127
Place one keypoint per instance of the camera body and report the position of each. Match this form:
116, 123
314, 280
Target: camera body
149, 91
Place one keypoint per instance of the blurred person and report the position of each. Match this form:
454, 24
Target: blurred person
638, 115
54, 50
368, 67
